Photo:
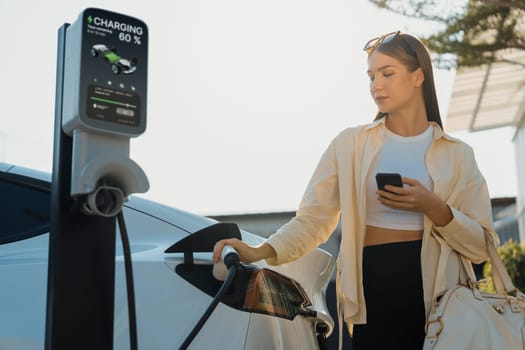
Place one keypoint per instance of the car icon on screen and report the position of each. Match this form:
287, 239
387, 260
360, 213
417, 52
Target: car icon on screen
118, 64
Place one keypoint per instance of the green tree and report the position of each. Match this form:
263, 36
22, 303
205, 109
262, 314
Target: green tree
473, 33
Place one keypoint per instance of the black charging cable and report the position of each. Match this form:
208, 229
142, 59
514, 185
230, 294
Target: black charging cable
129, 281
231, 260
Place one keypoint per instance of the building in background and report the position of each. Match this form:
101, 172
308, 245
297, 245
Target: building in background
493, 96
265, 224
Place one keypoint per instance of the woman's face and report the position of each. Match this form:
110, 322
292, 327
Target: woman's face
392, 86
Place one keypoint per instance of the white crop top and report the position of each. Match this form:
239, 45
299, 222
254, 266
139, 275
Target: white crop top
404, 155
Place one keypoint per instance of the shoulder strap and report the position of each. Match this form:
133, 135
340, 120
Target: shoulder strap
502, 280
440, 285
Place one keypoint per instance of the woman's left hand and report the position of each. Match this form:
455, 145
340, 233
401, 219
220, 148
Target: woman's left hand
416, 197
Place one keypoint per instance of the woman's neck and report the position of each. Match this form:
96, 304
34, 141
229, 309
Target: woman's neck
407, 124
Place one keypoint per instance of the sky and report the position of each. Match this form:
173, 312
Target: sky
243, 96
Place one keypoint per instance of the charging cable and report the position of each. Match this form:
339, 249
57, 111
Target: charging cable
129, 282
231, 260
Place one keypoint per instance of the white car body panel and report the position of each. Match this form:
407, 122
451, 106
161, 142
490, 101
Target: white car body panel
167, 306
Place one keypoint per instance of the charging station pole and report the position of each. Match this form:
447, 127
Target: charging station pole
92, 172
81, 255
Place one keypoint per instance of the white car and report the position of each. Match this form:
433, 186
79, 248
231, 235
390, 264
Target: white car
168, 303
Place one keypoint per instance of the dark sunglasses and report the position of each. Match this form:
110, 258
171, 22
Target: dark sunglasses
375, 42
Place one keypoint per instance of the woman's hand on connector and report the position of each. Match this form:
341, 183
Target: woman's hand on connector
247, 253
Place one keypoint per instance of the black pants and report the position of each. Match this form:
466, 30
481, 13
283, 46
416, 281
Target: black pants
394, 298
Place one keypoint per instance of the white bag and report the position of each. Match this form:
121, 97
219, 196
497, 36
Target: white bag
465, 318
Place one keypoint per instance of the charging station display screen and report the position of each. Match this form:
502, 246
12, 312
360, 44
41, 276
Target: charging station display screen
112, 105
114, 71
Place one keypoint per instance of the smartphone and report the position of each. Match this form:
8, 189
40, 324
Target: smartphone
393, 179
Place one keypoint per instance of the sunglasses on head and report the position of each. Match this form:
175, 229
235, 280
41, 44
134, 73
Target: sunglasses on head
375, 42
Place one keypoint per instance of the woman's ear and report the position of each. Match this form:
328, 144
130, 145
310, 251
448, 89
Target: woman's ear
419, 77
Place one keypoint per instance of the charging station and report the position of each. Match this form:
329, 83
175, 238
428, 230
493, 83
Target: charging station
101, 94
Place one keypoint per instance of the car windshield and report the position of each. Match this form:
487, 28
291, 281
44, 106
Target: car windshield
25, 210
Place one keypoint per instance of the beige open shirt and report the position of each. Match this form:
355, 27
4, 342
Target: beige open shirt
337, 191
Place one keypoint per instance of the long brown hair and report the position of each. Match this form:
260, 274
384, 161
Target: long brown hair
413, 54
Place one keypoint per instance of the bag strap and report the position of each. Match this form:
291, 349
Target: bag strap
440, 286
502, 280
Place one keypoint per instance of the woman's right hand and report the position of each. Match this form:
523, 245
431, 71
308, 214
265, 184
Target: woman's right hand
247, 253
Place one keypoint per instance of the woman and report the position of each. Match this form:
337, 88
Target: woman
389, 251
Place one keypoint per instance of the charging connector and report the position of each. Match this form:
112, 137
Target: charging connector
229, 257
230, 261
105, 201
